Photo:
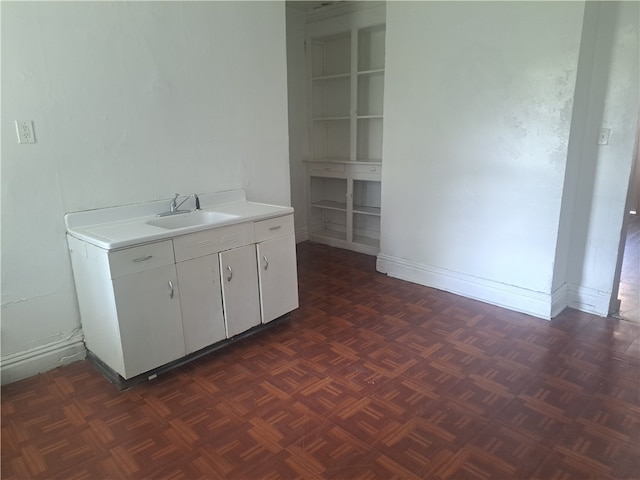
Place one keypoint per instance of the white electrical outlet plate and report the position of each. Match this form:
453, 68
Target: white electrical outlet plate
603, 136
24, 128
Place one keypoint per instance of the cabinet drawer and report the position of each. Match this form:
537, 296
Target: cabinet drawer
212, 241
273, 228
372, 169
327, 167
139, 259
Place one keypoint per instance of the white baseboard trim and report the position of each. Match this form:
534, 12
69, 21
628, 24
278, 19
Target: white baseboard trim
40, 359
538, 304
589, 300
559, 300
302, 234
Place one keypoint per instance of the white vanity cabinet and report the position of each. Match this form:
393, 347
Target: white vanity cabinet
201, 302
149, 319
277, 267
219, 284
151, 295
130, 305
234, 278
240, 289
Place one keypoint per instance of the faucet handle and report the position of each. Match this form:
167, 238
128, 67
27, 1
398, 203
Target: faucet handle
173, 205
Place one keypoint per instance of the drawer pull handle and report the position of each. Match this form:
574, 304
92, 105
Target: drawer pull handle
277, 227
230, 276
170, 289
142, 259
327, 168
266, 262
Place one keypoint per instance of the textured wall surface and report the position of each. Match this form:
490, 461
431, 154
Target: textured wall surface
131, 102
478, 105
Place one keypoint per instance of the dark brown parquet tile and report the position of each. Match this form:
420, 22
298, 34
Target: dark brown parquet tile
501, 452
502, 378
603, 454
536, 420
371, 378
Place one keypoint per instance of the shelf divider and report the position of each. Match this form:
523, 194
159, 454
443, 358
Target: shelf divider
336, 76
371, 72
366, 210
330, 205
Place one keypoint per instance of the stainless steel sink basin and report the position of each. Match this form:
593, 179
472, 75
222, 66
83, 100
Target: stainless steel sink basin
191, 219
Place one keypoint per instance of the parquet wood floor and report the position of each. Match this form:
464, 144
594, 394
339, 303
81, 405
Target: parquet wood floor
371, 378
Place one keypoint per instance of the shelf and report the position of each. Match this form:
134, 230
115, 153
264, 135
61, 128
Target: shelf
331, 139
377, 71
359, 161
367, 199
329, 119
338, 76
346, 122
366, 230
371, 242
331, 97
369, 137
327, 160
366, 161
366, 210
331, 205
332, 234
370, 96
371, 48
331, 55
328, 192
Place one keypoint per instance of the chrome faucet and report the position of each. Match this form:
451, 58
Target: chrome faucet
174, 206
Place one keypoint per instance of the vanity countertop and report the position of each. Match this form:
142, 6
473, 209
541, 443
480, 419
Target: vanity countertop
119, 227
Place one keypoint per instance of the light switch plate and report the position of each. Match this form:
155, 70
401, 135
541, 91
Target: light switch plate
24, 128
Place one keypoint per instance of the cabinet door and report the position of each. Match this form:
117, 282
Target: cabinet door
239, 279
148, 306
278, 277
201, 302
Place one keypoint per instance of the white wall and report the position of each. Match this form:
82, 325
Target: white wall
131, 102
608, 96
478, 108
298, 139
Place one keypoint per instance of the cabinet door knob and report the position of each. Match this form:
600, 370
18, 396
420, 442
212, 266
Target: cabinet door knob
170, 289
266, 262
230, 276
